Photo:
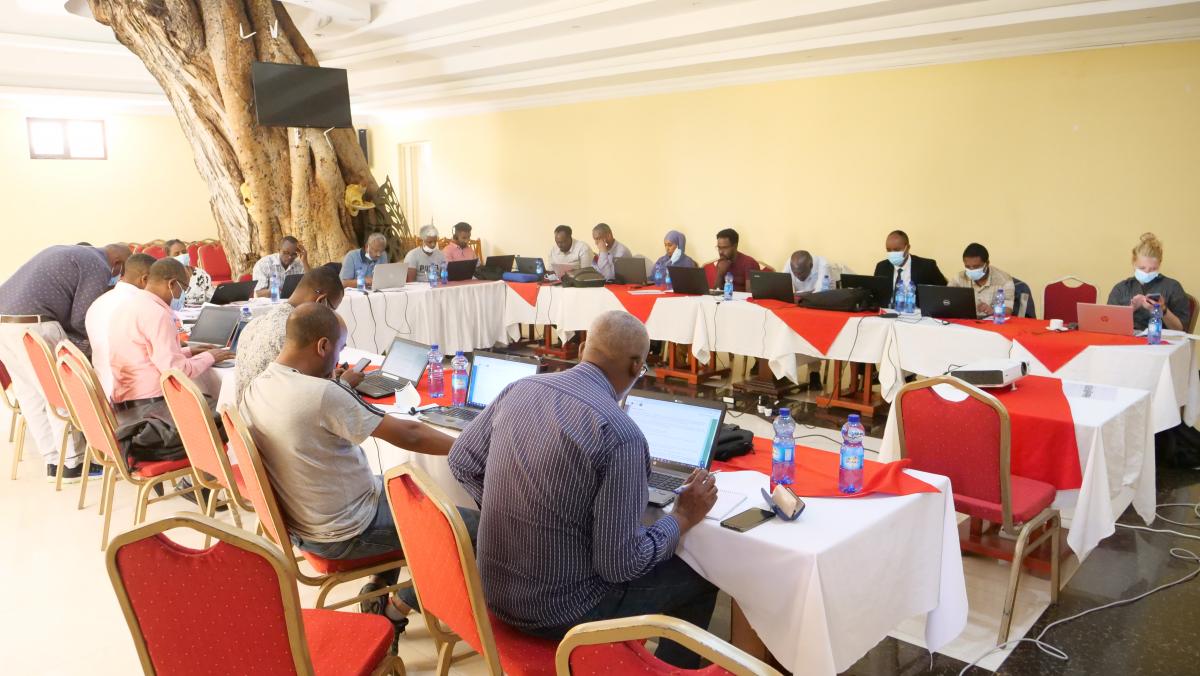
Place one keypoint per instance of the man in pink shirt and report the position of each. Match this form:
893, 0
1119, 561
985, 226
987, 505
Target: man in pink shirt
110, 308
460, 248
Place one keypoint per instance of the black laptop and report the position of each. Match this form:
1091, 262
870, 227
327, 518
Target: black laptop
771, 285
880, 288
946, 302
505, 263
232, 292
529, 266
689, 281
458, 271
289, 285
630, 270
405, 362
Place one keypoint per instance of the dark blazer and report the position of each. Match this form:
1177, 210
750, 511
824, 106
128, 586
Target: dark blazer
924, 271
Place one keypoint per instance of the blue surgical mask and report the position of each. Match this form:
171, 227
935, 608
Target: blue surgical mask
112, 281
896, 258
1145, 277
976, 274
184, 258
177, 302
676, 255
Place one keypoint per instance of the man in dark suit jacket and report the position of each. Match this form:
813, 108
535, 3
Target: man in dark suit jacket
902, 265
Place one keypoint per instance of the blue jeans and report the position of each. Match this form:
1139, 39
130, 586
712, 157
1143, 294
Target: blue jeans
671, 588
380, 537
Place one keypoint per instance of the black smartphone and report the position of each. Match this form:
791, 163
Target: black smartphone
362, 364
1156, 297
748, 519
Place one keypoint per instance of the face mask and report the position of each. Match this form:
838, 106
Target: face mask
177, 302
1145, 277
428, 250
977, 274
896, 258
184, 259
112, 281
676, 255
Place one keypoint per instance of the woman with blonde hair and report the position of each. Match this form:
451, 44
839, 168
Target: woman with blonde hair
1148, 286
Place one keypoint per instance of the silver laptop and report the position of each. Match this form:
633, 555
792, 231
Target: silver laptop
389, 276
1114, 319
490, 374
214, 326
404, 364
681, 433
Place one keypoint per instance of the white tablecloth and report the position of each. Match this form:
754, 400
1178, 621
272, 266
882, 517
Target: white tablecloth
462, 316
1116, 453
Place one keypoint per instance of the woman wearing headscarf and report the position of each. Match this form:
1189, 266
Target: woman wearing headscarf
674, 242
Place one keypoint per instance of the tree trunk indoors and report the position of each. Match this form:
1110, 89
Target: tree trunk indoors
265, 182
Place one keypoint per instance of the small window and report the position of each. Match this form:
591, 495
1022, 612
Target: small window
51, 139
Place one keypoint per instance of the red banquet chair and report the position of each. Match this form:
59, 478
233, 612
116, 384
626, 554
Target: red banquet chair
156, 250
441, 560
232, 608
42, 360
193, 251
16, 427
977, 464
213, 261
1062, 302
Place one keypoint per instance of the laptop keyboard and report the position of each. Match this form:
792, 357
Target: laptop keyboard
665, 482
460, 413
380, 384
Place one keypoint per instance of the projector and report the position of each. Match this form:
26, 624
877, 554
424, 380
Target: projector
992, 372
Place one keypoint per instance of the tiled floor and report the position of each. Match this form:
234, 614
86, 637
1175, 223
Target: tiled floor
61, 617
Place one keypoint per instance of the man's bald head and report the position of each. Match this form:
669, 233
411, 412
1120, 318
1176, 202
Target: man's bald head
117, 254
314, 339
617, 344
801, 264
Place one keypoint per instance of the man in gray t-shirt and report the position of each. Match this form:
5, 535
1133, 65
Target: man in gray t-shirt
419, 259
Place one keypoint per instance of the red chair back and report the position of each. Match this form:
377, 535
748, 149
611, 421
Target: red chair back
201, 440
189, 610
1193, 305
92, 412
213, 261
155, 250
1061, 301
193, 251
255, 484
43, 367
5, 379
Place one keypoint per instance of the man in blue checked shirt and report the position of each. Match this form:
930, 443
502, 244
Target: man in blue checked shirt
560, 472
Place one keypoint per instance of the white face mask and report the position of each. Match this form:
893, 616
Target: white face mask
676, 255
975, 274
184, 258
428, 249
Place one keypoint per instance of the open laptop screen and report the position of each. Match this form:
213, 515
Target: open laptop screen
490, 375
215, 326
406, 359
678, 432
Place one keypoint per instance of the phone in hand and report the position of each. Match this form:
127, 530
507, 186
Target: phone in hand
1154, 297
748, 519
362, 364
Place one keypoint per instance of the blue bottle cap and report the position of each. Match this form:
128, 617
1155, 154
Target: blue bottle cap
785, 412
433, 347
458, 353
853, 418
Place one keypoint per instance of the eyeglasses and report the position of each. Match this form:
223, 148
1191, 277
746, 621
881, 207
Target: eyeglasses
643, 371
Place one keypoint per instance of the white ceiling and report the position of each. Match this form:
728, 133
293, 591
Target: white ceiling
461, 56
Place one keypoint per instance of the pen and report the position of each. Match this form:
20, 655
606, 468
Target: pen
682, 488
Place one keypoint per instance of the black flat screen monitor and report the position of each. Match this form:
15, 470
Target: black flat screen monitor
287, 95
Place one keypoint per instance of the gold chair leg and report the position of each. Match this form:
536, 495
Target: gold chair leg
87, 467
104, 488
1014, 578
326, 587
19, 446
143, 502
62, 458
1055, 563
106, 505
12, 426
445, 655
210, 510
234, 511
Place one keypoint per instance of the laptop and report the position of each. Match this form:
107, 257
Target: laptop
232, 292
490, 373
289, 285
690, 281
1114, 319
215, 326
528, 266
946, 302
879, 287
389, 276
681, 433
459, 271
505, 263
404, 364
630, 270
772, 285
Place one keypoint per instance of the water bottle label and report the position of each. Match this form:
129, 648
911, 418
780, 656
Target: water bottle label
460, 382
852, 461
783, 453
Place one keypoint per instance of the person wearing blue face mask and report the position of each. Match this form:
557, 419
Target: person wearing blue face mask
1148, 286
985, 280
902, 266
201, 288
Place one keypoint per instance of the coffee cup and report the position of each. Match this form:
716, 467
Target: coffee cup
1056, 325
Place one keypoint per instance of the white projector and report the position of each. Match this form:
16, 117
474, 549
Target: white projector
992, 372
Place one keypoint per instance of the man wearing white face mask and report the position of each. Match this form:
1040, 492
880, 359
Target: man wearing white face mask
364, 260
902, 266
419, 259
985, 280
201, 288
1148, 286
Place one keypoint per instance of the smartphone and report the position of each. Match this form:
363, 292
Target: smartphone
1156, 297
748, 519
362, 364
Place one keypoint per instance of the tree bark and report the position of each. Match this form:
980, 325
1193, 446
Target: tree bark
265, 182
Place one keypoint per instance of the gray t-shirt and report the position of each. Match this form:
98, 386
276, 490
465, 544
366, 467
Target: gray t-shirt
418, 260
260, 343
308, 431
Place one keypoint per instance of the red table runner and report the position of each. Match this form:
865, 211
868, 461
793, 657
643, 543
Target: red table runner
1044, 446
816, 474
528, 291
638, 305
819, 327
422, 389
1054, 348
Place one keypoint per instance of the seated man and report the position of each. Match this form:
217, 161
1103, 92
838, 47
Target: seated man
420, 258
364, 260
985, 280
291, 259
108, 308
808, 272
309, 428
262, 339
902, 265
561, 473
143, 346
607, 248
201, 289
730, 260
459, 248
568, 251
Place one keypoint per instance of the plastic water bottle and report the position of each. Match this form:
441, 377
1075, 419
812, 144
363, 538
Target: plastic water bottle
362, 279
540, 269
728, 286
783, 450
243, 320
458, 378
1154, 327
910, 297
998, 309
898, 298
274, 288
658, 277
826, 285
437, 379
850, 470
431, 273
445, 277
667, 280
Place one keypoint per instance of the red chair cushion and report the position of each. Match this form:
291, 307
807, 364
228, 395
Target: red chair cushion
1028, 496
346, 644
630, 657
523, 654
327, 566
146, 470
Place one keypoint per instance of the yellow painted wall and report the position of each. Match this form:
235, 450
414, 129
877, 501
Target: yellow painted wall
1055, 162
147, 189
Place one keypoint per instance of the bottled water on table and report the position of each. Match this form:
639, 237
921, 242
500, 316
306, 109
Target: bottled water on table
850, 469
362, 280
432, 273
783, 450
437, 379
728, 286
1154, 327
826, 285
898, 297
539, 268
458, 379
667, 280
910, 297
658, 277
274, 288
445, 276
998, 308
